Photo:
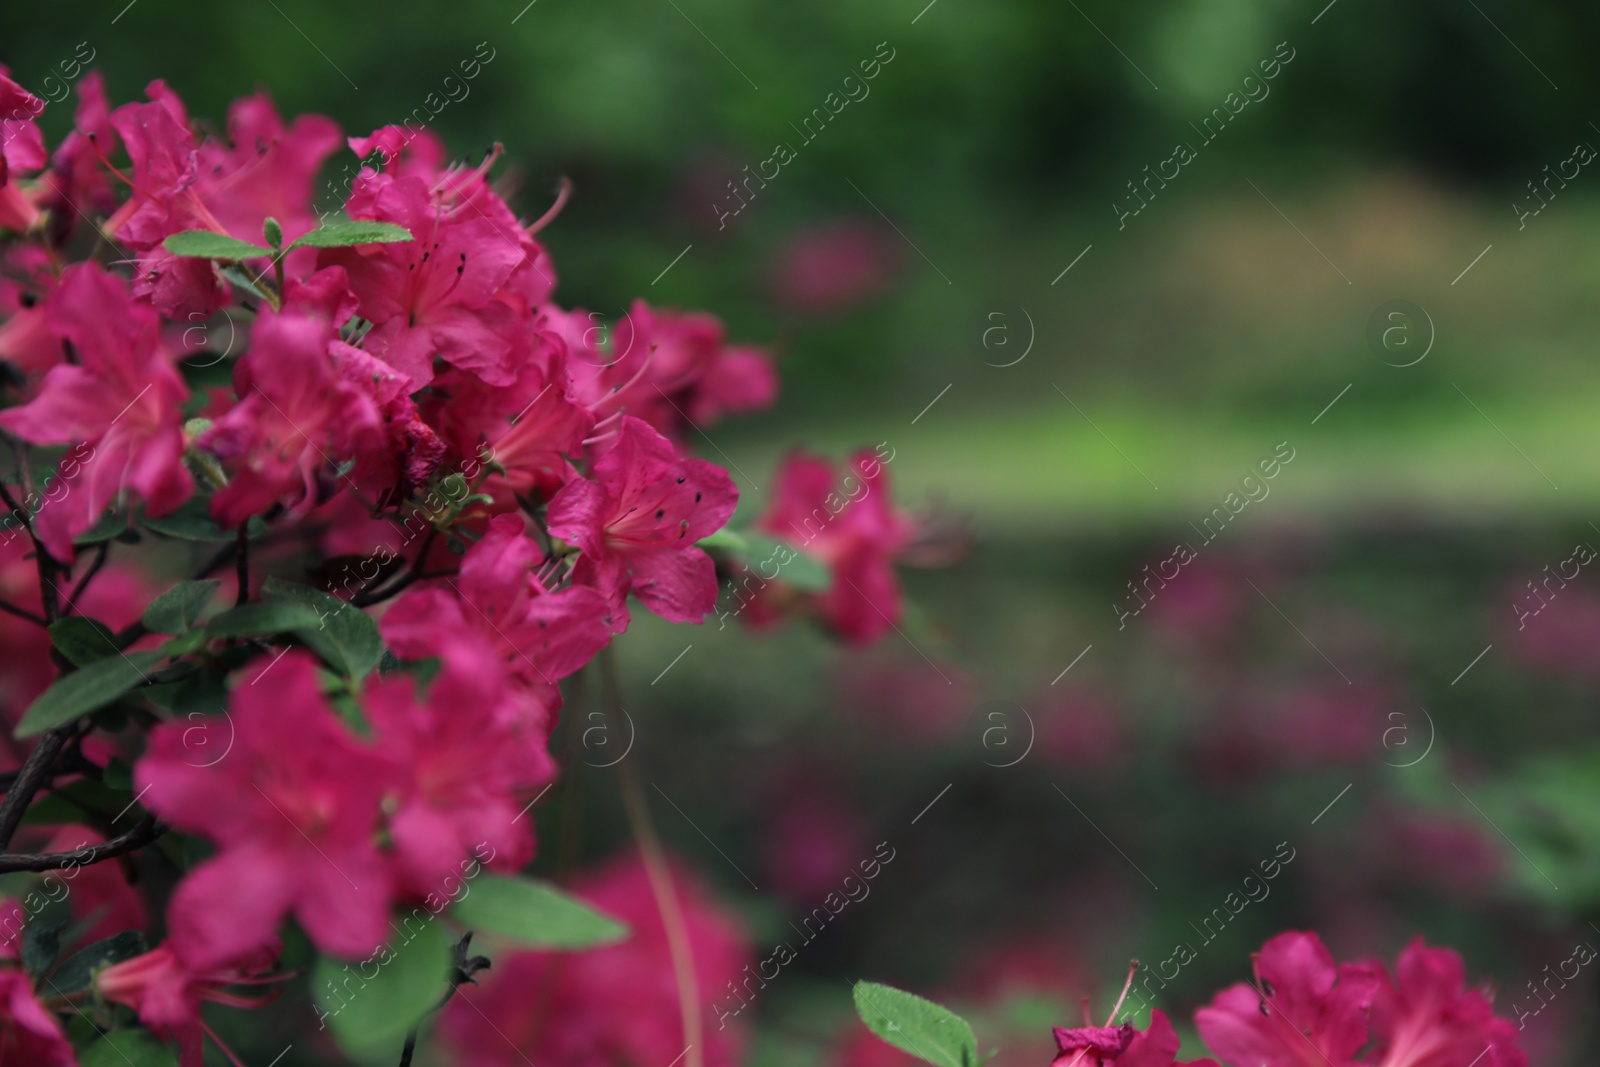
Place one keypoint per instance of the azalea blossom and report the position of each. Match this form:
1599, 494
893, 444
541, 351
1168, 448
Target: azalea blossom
121, 401
293, 811
637, 522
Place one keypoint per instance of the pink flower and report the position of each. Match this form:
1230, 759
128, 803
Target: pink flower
166, 992
670, 368
405, 456
21, 149
529, 426
296, 419
460, 763
1307, 1010
434, 297
637, 523
30, 1034
1426, 1017
612, 1005
121, 402
829, 269
266, 169
497, 605
77, 179
1098, 1046
849, 524
293, 809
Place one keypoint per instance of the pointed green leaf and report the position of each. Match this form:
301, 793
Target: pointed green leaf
340, 234
205, 244
90, 687
920, 1027
175, 611
370, 1014
76, 974
255, 620
41, 943
193, 522
83, 640
109, 526
345, 636
534, 913
725, 538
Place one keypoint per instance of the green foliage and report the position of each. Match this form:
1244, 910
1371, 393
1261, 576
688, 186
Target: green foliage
129, 1048
204, 244
793, 566
193, 522
345, 636
920, 1027
92, 686
83, 640
78, 971
41, 944
175, 611
535, 914
341, 234
371, 1013
263, 619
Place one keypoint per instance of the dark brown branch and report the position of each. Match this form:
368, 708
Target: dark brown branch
146, 831
22, 613
36, 769
100, 554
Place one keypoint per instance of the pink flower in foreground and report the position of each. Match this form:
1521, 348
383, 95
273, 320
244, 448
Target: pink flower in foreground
21, 149
460, 763
497, 605
30, 1034
1426, 1017
433, 297
612, 1005
121, 402
293, 810
166, 992
1099, 1046
672, 369
297, 417
637, 524
849, 524
1306, 1009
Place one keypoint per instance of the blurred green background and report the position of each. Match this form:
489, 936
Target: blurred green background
1077, 421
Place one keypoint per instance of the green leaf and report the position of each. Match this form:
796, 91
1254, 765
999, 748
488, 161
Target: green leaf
918, 1026
254, 620
129, 1048
245, 283
193, 522
83, 640
725, 538
205, 244
345, 636
109, 526
92, 686
41, 944
766, 554
76, 974
175, 611
340, 234
371, 1013
534, 913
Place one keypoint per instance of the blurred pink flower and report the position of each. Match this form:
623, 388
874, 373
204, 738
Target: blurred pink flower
829, 269
606, 1006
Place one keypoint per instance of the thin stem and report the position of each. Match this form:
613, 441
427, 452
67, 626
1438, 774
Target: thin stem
241, 564
146, 831
35, 769
22, 613
661, 886
411, 1047
100, 554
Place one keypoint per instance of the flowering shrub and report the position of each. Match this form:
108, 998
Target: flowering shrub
430, 494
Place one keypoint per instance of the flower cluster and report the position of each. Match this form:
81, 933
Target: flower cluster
408, 423
1303, 1008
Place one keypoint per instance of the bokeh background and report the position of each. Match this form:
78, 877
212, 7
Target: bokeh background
1372, 667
